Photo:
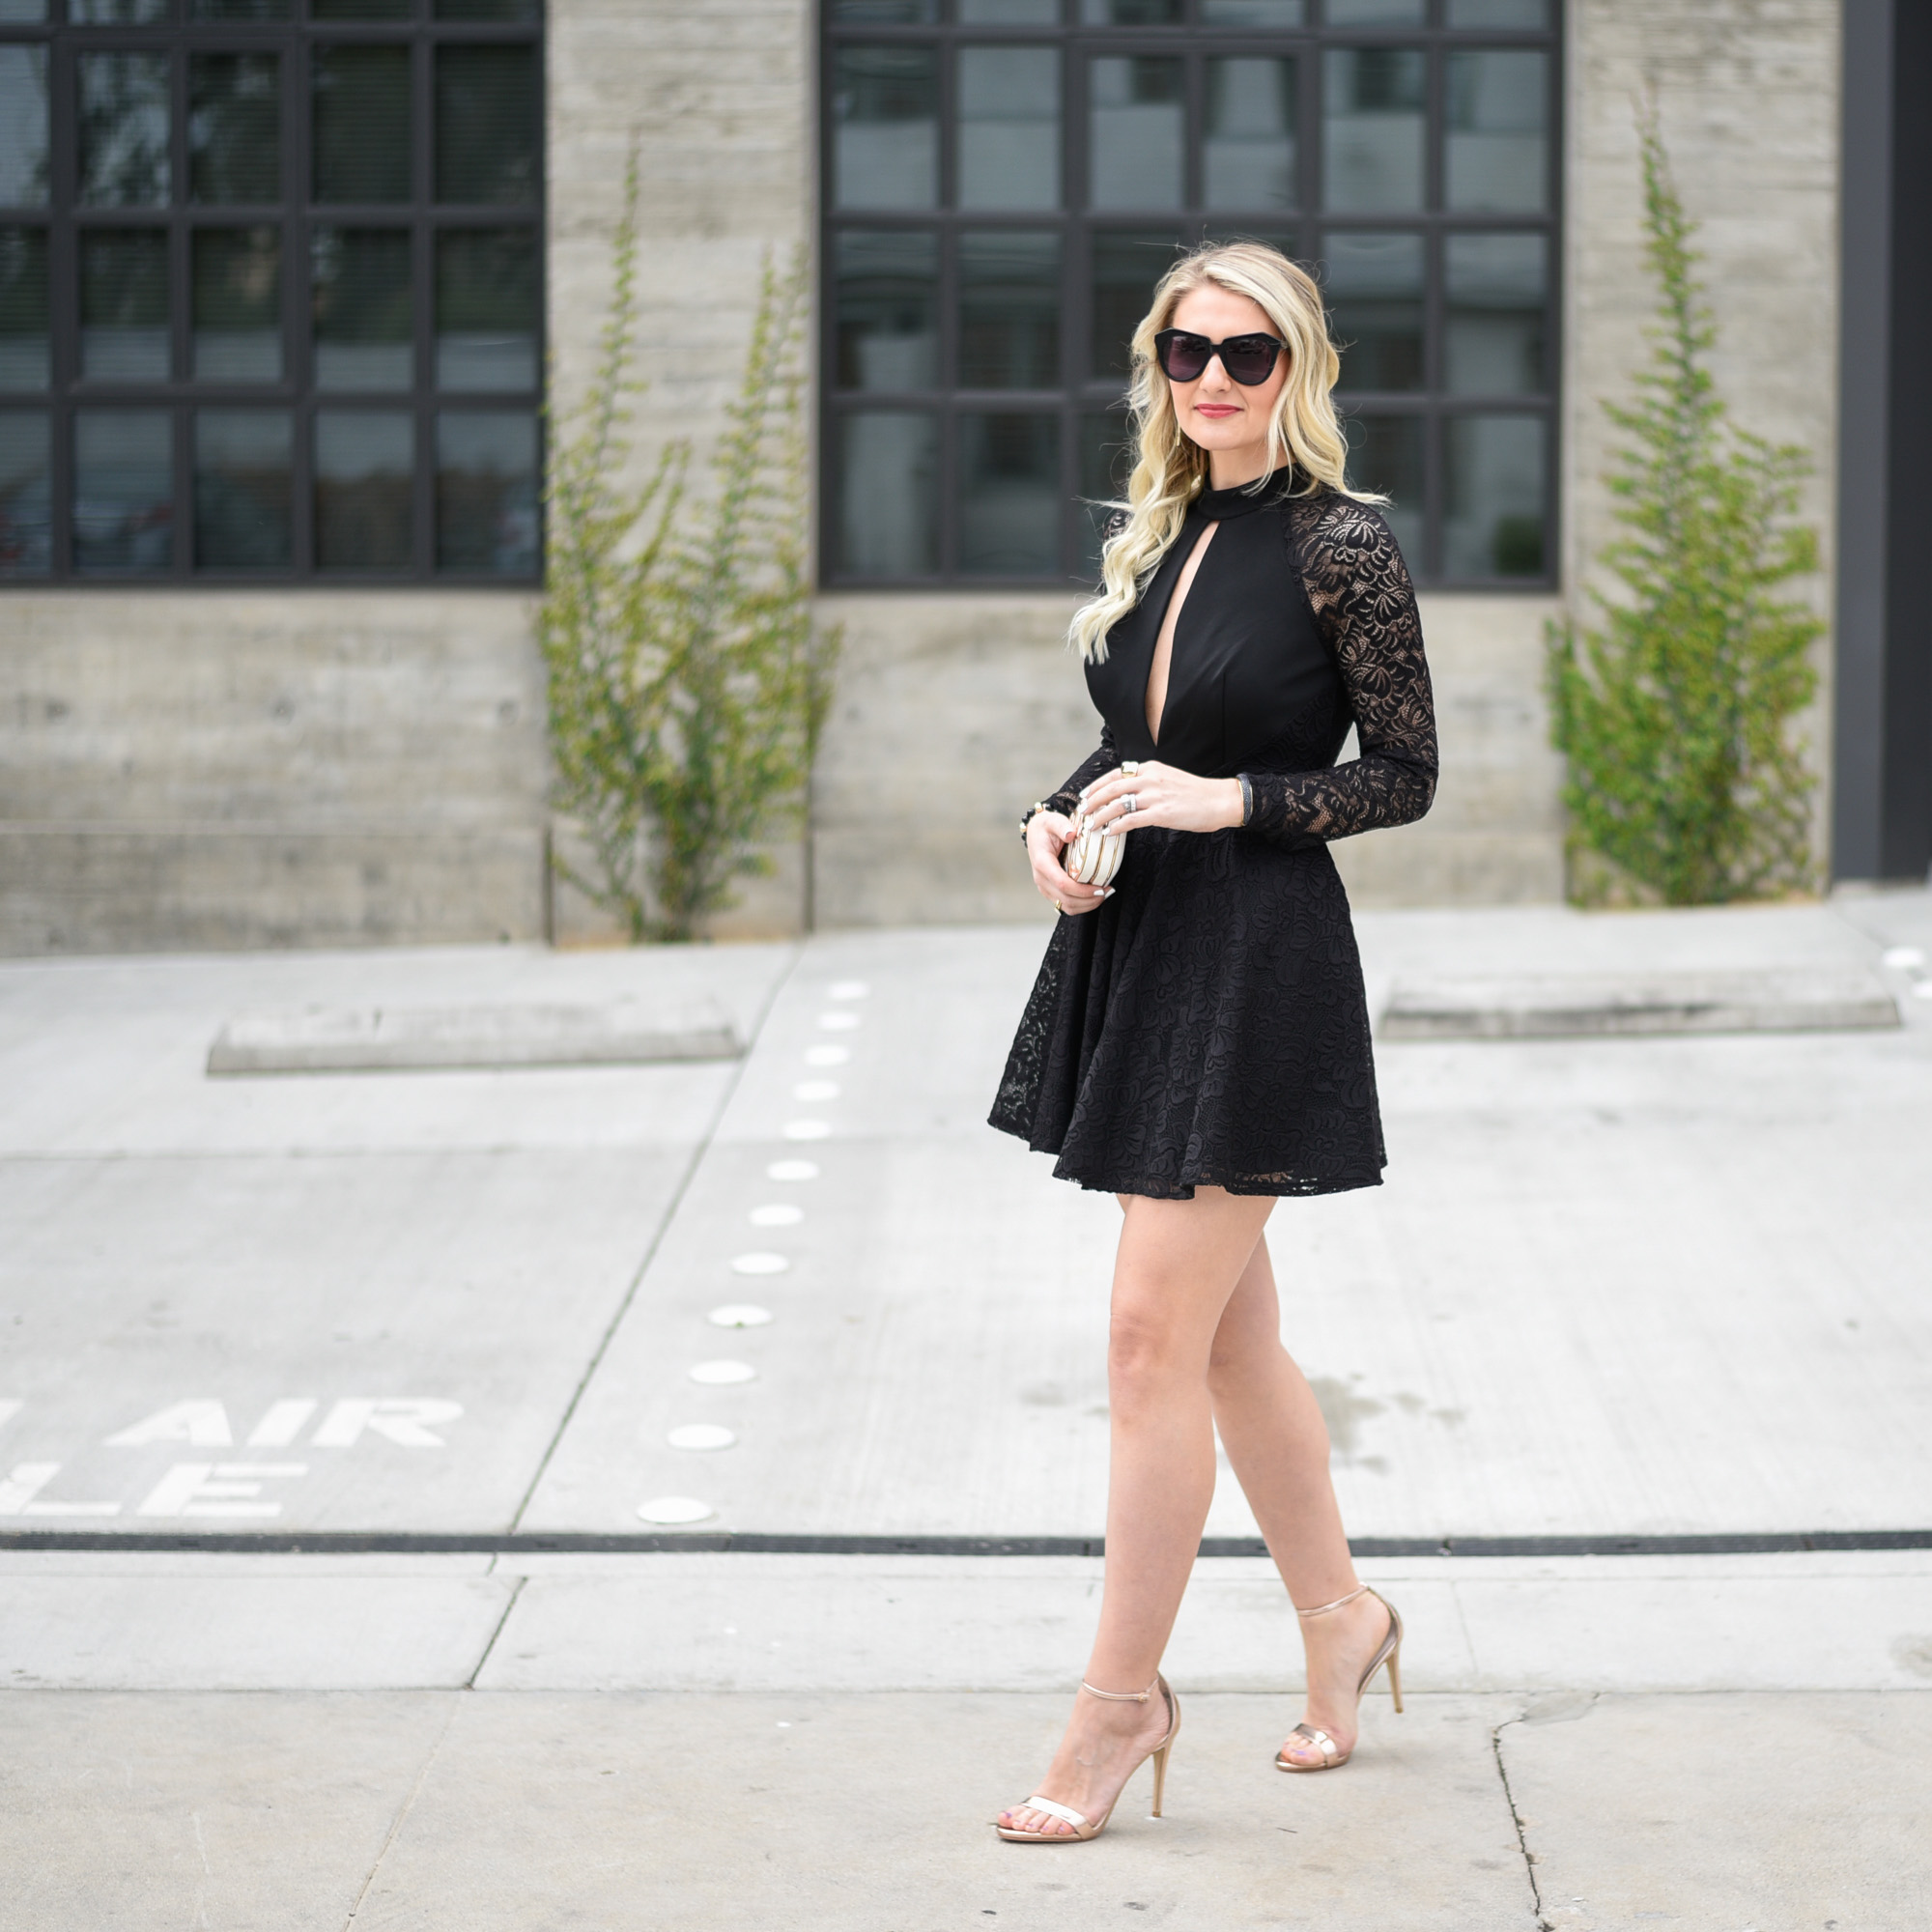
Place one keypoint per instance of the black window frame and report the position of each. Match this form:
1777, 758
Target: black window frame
297, 214
1081, 395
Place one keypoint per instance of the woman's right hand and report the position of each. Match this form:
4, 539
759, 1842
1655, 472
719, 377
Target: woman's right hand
1048, 835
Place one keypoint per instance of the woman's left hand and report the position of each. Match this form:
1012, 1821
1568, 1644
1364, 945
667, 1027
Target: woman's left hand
1160, 795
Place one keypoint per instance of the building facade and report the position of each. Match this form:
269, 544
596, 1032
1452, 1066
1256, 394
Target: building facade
275, 281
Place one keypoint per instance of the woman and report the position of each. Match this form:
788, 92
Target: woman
1198, 1039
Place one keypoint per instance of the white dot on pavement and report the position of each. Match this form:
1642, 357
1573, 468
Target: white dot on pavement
777, 1214
759, 1261
792, 1170
847, 990
675, 1509
1902, 959
806, 1130
827, 1056
815, 1090
838, 1022
700, 1436
721, 1374
740, 1315
1923, 989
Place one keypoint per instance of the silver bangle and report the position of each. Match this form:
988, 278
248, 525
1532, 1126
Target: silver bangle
1247, 797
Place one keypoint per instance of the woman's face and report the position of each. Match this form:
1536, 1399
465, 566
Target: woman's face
1215, 411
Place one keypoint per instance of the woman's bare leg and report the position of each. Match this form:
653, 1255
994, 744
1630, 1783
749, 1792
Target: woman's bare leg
1277, 1445
1177, 1264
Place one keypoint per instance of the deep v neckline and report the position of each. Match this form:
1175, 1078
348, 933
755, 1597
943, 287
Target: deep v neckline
1169, 632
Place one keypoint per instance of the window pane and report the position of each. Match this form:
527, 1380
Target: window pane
23, 309
362, 308
115, 13
1499, 13
1009, 128
1386, 456
885, 112
23, 13
360, 9
488, 9
1372, 135
1376, 12
1493, 507
1134, 134
124, 129
124, 305
241, 10
26, 523
1106, 461
1496, 160
486, 493
122, 490
363, 490
243, 463
1007, 12
1253, 13
361, 124
486, 124
888, 309
1249, 153
1130, 13
23, 126
1374, 285
887, 493
1009, 311
486, 310
1125, 268
237, 305
234, 128
1497, 287
885, 12
1009, 495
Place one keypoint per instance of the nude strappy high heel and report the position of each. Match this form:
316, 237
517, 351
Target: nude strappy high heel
1066, 1813
1389, 1654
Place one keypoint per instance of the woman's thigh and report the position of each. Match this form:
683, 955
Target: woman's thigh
1178, 1265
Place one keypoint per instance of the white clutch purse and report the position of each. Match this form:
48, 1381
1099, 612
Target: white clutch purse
1092, 859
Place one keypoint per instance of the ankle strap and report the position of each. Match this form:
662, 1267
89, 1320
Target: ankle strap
1322, 1610
1121, 1696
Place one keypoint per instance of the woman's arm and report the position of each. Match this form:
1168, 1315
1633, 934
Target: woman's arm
1048, 826
1362, 598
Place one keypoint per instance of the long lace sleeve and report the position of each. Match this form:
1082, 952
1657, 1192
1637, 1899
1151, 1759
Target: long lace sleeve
1102, 761
1359, 589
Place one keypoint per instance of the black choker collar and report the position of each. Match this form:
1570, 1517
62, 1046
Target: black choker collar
1217, 505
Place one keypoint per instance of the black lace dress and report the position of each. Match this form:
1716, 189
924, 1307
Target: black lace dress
1207, 1024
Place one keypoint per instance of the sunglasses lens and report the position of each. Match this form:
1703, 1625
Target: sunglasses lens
1183, 357
1248, 360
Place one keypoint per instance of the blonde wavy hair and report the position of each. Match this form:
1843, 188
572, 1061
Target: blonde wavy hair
1169, 470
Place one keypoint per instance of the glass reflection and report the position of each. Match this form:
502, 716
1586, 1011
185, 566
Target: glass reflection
363, 308
26, 505
1492, 511
888, 309
23, 12
486, 124
1010, 495
486, 309
488, 9
1131, 12
1125, 268
1007, 12
1106, 461
1247, 153
1253, 13
24, 308
364, 467
885, 12
1376, 12
124, 305
360, 9
234, 128
1134, 131
242, 486
887, 493
1374, 286
1386, 456
486, 493
115, 13
361, 124
1009, 128
1497, 289
1009, 311
885, 137
237, 305
1496, 158
1373, 129
122, 490
124, 129
23, 126
1499, 13
241, 10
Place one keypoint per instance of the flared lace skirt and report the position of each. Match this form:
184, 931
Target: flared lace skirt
1208, 1026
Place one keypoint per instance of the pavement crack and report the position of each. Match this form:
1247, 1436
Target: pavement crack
1515, 1819
516, 1591
401, 1816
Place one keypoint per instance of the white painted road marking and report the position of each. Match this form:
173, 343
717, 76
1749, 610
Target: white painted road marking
202, 1423
402, 1419
282, 1422
806, 1130
838, 1022
700, 1436
759, 1261
675, 1509
847, 990
721, 1374
740, 1315
792, 1170
217, 1488
777, 1214
27, 1480
827, 1056
8, 1410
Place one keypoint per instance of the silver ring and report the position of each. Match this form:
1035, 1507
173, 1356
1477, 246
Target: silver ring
1131, 802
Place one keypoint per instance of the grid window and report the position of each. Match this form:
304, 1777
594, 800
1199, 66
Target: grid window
271, 291
1007, 180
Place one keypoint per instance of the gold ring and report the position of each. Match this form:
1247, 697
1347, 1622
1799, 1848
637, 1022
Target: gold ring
1130, 767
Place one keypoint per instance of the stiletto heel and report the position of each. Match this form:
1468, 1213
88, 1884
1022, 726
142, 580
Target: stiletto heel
1389, 1654
1083, 1830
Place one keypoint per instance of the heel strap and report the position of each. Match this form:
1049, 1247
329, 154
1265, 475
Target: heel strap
1121, 1696
1322, 1610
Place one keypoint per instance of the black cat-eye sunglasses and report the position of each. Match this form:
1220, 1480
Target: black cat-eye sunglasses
1248, 360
